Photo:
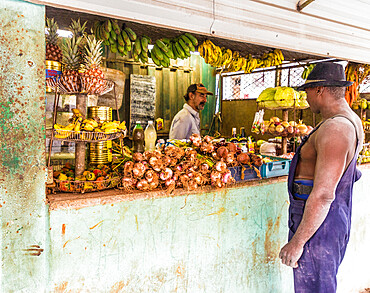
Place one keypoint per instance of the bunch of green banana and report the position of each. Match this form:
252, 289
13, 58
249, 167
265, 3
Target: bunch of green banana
140, 49
162, 52
307, 70
183, 45
119, 40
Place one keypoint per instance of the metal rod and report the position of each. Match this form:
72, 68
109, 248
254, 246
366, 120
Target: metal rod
283, 66
80, 152
56, 102
303, 5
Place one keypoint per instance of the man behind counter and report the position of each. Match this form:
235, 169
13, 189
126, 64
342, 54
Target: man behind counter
187, 121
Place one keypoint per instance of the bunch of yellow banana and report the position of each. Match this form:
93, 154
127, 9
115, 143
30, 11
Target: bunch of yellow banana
232, 61
111, 127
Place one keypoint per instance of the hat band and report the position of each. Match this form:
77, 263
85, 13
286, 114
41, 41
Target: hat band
314, 80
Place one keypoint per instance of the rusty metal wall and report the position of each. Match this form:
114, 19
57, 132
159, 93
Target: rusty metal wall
22, 144
171, 86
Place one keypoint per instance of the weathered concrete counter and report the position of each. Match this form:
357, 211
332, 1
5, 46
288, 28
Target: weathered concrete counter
213, 240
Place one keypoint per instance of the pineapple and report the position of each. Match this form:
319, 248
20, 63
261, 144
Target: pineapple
94, 76
72, 64
53, 51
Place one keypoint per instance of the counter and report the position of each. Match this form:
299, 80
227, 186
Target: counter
211, 240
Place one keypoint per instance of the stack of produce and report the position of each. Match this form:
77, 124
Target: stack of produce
276, 127
94, 178
180, 47
231, 61
79, 123
190, 166
357, 73
282, 97
364, 156
53, 51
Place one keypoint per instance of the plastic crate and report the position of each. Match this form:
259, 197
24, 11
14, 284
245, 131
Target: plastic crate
279, 167
249, 173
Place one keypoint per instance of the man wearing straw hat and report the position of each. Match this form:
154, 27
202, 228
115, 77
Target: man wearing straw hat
321, 177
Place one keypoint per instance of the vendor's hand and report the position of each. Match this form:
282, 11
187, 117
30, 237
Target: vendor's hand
291, 253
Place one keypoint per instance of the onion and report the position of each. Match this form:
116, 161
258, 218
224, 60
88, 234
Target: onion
230, 159
215, 175
208, 139
227, 177
204, 168
127, 169
196, 139
232, 147
137, 157
166, 174
243, 158
128, 183
222, 152
166, 160
142, 185
220, 166
138, 170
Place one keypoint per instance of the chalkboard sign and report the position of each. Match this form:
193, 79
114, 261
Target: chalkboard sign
142, 100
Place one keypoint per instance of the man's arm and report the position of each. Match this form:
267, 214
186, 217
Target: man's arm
334, 144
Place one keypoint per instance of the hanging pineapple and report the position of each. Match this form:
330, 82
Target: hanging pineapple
53, 51
94, 76
72, 64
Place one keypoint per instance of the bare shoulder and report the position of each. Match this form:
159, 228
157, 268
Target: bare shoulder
340, 133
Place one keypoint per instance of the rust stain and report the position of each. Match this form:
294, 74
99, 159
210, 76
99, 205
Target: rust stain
220, 211
61, 287
96, 225
64, 245
180, 271
34, 250
118, 287
137, 223
63, 229
272, 247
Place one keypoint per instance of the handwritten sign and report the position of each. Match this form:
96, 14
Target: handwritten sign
142, 100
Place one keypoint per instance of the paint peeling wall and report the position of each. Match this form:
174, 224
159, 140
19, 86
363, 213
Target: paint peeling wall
222, 241
22, 144
219, 241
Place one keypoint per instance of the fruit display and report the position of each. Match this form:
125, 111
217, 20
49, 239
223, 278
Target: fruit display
364, 155
88, 129
231, 61
366, 125
95, 178
355, 72
53, 51
276, 127
307, 70
282, 97
361, 104
189, 165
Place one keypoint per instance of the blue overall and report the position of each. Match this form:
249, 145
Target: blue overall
323, 253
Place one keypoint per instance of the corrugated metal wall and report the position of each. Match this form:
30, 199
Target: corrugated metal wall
171, 86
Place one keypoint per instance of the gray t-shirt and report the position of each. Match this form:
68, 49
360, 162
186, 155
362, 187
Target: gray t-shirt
185, 123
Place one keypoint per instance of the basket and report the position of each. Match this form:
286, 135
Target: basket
244, 173
86, 186
86, 136
278, 167
68, 84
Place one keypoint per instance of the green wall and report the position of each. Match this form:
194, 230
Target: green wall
219, 241
22, 144
172, 84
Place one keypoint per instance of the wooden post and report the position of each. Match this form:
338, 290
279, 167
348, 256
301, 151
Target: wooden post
285, 139
80, 154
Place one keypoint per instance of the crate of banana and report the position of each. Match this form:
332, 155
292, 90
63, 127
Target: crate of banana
89, 130
230, 61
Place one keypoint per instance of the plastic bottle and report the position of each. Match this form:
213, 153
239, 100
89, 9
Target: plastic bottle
138, 138
150, 136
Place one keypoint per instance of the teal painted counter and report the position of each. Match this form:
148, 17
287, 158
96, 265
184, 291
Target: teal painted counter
224, 240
